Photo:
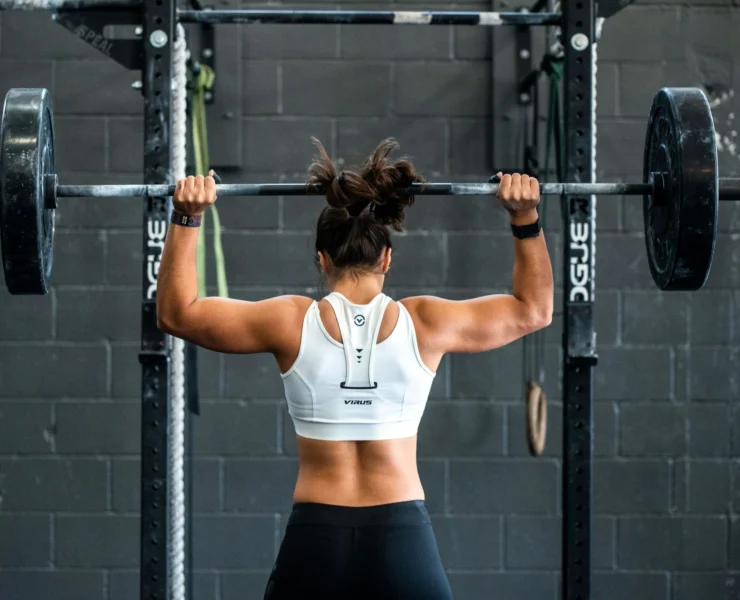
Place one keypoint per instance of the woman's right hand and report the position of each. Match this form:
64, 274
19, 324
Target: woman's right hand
518, 194
193, 195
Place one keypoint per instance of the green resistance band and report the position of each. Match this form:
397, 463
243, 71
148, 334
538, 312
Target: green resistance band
554, 72
202, 82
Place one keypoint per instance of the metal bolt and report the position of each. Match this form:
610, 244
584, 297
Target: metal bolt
579, 41
158, 38
207, 53
136, 85
138, 30
524, 54
524, 98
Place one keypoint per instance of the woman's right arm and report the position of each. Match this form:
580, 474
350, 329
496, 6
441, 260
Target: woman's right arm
489, 322
219, 324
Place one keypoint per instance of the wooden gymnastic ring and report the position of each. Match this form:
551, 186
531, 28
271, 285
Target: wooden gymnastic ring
536, 418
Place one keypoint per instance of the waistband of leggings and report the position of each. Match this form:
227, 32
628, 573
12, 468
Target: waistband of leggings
412, 512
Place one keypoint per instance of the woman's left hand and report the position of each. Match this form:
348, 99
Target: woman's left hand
193, 195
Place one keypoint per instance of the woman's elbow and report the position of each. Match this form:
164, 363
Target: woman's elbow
543, 311
539, 318
167, 321
544, 319
164, 325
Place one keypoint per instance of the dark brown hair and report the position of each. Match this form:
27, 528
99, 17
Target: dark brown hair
353, 228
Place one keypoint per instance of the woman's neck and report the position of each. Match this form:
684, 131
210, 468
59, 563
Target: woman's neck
361, 289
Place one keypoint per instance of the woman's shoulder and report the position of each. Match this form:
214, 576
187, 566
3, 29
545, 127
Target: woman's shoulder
297, 301
295, 305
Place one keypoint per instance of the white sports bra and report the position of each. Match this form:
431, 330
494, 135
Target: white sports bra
359, 389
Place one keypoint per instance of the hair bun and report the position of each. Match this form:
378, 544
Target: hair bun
372, 191
387, 176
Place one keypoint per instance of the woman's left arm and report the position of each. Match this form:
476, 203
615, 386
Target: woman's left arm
219, 324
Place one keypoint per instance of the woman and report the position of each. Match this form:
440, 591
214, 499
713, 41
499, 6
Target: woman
357, 368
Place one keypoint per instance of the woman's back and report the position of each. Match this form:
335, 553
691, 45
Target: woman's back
357, 473
344, 468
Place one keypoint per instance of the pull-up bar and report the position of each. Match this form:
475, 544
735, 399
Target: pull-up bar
309, 17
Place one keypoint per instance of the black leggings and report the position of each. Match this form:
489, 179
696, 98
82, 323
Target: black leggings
383, 552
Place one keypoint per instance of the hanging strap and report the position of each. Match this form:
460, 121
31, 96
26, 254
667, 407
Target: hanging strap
359, 326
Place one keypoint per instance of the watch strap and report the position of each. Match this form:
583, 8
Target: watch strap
184, 220
522, 232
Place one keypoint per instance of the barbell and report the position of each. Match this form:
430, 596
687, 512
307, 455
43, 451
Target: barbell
680, 189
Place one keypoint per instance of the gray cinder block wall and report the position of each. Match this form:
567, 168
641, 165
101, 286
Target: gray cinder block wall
667, 428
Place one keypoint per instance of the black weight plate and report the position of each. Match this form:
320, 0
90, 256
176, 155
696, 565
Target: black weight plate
26, 156
681, 226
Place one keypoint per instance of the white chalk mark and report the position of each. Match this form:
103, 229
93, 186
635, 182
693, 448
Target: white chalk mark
402, 17
490, 18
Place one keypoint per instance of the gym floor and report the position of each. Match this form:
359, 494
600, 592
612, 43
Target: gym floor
667, 419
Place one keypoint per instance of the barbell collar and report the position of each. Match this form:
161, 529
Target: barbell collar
51, 184
729, 189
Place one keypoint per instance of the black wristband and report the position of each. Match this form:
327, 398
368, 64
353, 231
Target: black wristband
179, 218
522, 232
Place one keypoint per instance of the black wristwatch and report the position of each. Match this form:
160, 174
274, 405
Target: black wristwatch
522, 232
